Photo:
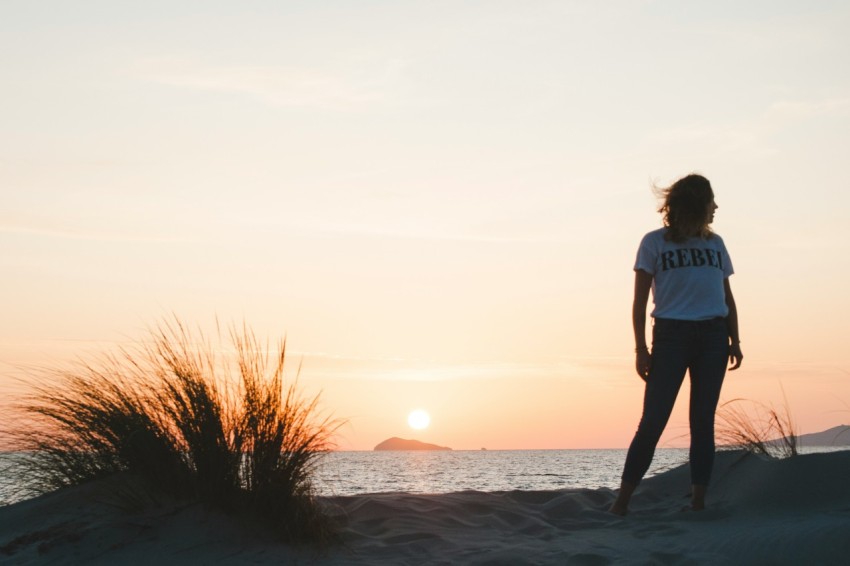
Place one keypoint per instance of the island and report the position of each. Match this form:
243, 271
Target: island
835, 436
396, 443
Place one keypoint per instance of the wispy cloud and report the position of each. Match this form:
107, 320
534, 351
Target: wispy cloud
320, 364
752, 135
280, 85
73, 233
413, 233
794, 110
732, 138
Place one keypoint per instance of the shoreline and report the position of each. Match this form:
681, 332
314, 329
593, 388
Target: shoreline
760, 511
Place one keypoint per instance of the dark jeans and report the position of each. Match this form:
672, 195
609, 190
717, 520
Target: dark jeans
702, 349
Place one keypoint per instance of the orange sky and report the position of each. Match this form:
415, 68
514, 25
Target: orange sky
437, 203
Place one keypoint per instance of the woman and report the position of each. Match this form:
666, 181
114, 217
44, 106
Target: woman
695, 330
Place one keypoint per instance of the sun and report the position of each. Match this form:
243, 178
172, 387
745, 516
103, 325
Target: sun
418, 419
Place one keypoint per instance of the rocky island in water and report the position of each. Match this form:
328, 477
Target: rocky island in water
396, 443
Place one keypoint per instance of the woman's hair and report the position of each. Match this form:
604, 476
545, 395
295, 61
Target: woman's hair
686, 208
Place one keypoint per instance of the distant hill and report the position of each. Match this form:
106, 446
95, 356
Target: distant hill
396, 443
836, 436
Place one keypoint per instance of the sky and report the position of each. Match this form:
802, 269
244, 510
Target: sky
436, 203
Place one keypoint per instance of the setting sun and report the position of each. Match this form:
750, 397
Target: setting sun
418, 419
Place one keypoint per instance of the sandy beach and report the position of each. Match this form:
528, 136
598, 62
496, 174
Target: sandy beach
794, 511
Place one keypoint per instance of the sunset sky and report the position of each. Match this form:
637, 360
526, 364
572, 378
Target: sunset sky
437, 203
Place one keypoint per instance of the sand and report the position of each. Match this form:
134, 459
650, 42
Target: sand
794, 511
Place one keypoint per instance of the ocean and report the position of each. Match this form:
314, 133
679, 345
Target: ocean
354, 473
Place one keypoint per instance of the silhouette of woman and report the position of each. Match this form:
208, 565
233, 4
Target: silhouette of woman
695, 330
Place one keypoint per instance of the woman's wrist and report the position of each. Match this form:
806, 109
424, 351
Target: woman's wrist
641, 349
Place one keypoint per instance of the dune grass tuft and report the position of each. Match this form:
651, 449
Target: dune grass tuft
757, 427
213, 423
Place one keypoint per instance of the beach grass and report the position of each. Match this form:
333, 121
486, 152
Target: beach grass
216, 423
757, 427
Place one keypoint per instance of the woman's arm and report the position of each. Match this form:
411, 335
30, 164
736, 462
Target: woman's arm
735, 355
643, 360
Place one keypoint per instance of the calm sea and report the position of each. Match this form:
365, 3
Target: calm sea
350, 473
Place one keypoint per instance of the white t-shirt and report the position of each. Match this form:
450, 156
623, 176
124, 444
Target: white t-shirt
687, 278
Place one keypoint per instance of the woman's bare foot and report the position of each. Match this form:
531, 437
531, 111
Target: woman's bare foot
618, 509
621, 504
698, 497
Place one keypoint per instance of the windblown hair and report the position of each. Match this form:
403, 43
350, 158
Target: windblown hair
686, 208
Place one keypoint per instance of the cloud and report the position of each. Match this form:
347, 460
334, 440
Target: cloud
281, 85
55, 231
412, 233
329, 366
795, 110
751, 136
732, 138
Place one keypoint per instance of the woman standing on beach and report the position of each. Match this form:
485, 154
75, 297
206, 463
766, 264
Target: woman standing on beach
695, 330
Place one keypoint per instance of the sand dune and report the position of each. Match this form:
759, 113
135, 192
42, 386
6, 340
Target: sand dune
794, 511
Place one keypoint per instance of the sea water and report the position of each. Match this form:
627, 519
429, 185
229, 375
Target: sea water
351, 473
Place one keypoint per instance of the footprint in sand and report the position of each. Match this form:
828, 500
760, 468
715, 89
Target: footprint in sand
588, 559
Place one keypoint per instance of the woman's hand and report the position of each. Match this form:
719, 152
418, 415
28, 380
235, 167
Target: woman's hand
735, 356
643, 361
